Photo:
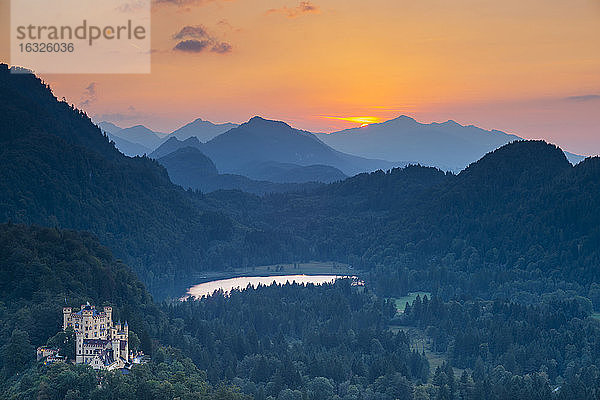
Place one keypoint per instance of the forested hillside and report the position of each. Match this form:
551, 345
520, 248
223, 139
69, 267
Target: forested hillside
510, 350
45, 269
299, 339
57, 169
521, 220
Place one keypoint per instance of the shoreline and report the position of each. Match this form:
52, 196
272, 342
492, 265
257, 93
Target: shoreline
310, 268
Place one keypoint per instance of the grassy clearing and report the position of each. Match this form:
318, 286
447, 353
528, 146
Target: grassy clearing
596, 316
420, 341
401, 302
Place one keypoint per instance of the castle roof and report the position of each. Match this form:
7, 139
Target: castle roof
95, 312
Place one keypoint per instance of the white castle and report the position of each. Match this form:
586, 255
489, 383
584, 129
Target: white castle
99, 343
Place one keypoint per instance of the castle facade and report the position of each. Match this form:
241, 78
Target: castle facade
99, 343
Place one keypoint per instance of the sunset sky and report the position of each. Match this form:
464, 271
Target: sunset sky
529, 67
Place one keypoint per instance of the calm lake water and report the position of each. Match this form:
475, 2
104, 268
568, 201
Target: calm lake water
208, 288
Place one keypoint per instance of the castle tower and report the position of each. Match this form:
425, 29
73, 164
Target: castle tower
67, 311
108, 312
126, 339
79, 352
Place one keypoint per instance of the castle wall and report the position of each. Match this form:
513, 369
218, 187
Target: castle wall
97, 337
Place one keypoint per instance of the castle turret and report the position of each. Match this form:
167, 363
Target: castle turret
79, 351
108, 312
66, 317
125, 352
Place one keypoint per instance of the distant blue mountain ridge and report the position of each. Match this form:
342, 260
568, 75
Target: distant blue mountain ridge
261, 143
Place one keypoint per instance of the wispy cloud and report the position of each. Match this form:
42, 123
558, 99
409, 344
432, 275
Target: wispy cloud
221, 48
582, 98
197, 31
89, 95
196, 39
192, 45
305, 7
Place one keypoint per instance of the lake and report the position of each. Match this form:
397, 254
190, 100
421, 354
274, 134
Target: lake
241, 282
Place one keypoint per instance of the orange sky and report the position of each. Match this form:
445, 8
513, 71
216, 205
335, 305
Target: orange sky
530, 67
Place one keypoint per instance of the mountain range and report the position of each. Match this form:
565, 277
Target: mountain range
133, 141
202, 130
260, 140
448, 145
260, 178
260, 143
269, 152
191, 169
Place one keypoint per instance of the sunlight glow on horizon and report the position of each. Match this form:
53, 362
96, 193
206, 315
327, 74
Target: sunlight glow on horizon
363, 121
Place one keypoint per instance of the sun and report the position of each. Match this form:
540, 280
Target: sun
363, 121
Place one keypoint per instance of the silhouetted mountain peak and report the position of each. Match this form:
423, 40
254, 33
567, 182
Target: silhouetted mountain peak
258, 118
261, 140
192, 141
109, 127
449, 123
401, 120
191, 153
172, 144
518, 162
260, 122
172, 139
448, 145
189, 141
202, 129
404, 118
